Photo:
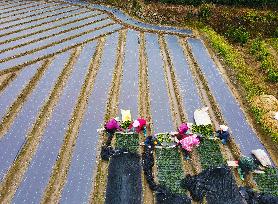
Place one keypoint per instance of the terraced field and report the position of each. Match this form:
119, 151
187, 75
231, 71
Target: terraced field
66, 67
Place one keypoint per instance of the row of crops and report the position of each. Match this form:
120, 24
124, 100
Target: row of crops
169, 169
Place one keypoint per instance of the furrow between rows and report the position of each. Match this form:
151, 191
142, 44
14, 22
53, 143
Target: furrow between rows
15, 25
29, 43
57, 16
27, 14
45, 27
52, 134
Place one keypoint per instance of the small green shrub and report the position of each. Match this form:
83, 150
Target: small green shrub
276, 33
259, 49
238, 35
205, 11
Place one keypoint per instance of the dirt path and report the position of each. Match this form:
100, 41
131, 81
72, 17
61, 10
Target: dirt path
99, 188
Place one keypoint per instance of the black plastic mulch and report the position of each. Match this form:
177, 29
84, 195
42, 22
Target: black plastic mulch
124, 185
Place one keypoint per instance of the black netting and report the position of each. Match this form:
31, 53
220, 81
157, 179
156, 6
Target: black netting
253, 197
217, 184
124, 184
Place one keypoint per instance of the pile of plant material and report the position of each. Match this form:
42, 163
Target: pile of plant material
204, 130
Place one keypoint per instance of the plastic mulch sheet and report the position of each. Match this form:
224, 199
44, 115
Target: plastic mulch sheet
216, 184
124, 183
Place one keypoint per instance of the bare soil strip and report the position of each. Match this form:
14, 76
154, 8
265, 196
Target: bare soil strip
97, 194
18, 103
6, 79
60, 170
16, 172
144, 110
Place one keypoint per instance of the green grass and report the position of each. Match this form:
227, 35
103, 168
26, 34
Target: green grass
169, 167
274, 43
128, 141
268, 182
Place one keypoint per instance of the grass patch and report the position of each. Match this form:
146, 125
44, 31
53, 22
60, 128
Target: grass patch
235, 61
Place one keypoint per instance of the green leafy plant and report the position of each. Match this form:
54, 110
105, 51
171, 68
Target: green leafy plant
268, 182
259, 49
169, 167
125, 124
205, 130
129, 141
276, 33
210, 154
164, 137
205, 11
